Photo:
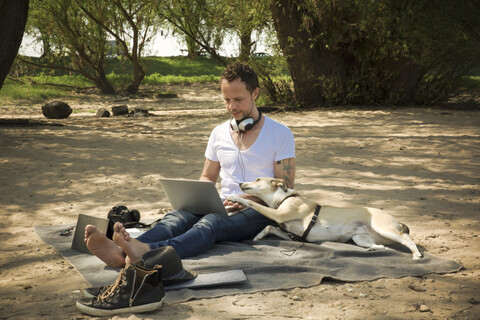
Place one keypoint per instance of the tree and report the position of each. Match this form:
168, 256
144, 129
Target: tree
368, 52
198, 21
204, 23
125, 21
189, 18
78, 45
243, 17
13, 17
35, 28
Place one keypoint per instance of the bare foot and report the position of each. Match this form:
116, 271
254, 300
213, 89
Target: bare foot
132, 247
104, 248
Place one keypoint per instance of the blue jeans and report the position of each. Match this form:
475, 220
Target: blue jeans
191, 235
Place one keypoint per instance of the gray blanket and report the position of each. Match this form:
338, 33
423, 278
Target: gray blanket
268, 264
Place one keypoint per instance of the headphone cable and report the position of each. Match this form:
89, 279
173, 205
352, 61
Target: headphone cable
240, 159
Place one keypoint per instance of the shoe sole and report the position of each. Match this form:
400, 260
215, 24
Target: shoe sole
106, 312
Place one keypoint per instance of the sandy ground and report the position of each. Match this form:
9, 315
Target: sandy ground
422, 165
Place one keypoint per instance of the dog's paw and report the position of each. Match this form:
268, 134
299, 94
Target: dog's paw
238, 200
233, 198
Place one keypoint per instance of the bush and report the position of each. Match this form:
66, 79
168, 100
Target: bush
275, 82
371, 52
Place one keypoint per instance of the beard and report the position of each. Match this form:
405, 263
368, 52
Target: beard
240, 115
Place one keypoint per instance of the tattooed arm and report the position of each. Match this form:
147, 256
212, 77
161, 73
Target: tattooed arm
285, 169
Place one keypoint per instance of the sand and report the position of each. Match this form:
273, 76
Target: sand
421, 165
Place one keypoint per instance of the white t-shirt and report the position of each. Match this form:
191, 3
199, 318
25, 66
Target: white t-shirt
275, 142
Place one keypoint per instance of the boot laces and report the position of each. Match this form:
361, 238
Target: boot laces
113, 288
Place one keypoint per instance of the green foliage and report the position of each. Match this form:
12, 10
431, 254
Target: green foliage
197, 22
74, 42
31, 83
78, 35
243, 17
275, 82
122, 80
157, 78
386, 51
169, 66
70, 80
75, 35
131, 23
13, 91
205, 24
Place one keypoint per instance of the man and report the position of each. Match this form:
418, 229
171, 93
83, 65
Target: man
248, 146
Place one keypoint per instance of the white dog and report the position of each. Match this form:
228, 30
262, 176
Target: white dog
367, 227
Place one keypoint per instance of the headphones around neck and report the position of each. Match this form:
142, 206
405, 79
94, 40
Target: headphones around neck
245, 124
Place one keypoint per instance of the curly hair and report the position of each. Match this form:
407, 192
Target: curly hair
242, 71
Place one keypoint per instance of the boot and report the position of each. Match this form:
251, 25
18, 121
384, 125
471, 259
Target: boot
136, 290
172, 269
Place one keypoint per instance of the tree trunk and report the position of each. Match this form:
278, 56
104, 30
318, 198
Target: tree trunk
403, 87
315, 71
13, 17
192, 47
245, 46
138, 74
104, 85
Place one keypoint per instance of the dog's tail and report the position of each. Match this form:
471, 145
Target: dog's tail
404, 229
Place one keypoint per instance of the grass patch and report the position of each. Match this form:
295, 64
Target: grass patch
69, 80
182, 66
160, 70
14, 91
157, 78
168, 66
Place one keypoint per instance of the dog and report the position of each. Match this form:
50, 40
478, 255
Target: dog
367, 227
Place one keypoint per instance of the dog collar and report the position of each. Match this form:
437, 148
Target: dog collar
304, 236
291, 195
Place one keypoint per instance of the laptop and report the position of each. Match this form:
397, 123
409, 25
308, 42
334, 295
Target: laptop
197, 196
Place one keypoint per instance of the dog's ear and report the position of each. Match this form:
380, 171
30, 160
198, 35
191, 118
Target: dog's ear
281, 184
